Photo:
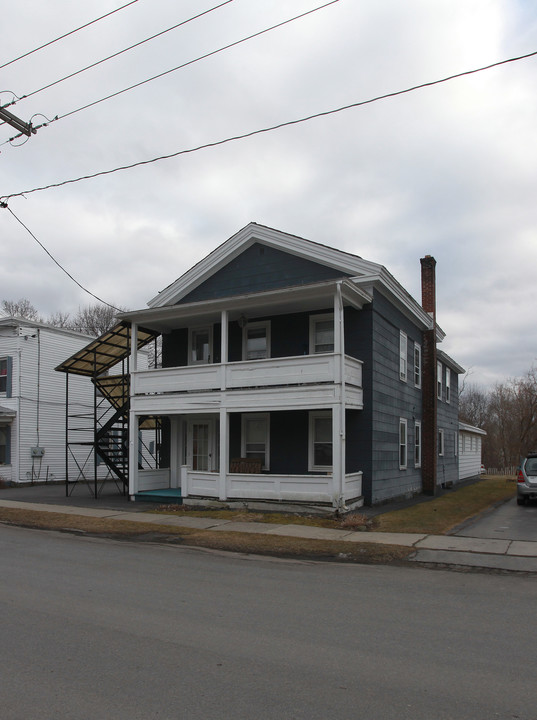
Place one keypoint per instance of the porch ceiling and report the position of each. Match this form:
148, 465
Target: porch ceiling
316, 296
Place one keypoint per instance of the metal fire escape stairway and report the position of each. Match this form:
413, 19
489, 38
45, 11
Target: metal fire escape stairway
103, 435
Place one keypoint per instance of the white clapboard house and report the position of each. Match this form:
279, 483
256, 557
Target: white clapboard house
32, 401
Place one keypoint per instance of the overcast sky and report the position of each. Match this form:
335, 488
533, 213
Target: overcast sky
448, 170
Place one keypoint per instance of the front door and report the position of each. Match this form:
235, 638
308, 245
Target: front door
201, 451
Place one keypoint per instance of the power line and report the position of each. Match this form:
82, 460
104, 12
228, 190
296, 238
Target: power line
120, 52
191, 62
57, 263
287, 123
71, 32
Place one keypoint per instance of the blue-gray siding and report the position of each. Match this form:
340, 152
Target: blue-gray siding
260, 268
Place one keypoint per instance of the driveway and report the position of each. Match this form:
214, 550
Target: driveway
508, 521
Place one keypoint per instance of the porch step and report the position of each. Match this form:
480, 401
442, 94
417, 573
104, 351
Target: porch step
168, 496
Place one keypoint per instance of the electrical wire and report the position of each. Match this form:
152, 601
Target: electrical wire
191, 62
155, 77
120, 52
252, 133
57, 263
71, 32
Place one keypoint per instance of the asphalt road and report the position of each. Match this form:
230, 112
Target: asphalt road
508, 521
99, 629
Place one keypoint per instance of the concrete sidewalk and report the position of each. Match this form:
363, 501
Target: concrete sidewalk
492, 554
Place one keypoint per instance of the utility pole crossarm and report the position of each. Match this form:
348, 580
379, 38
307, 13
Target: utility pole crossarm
15, 122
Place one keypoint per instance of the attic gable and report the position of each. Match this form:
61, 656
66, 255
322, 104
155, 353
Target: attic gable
259, 258
260, 268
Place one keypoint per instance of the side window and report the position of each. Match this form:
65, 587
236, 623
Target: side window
320, 441
256, 341
5, 377
417, 365
403, 443
417, 444
441, 443
5, 445
448, 385
321, 333
403, 342
439, 380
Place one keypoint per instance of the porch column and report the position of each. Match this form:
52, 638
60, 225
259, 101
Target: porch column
224, 454
224, 349
338, 410
174, 452
134, 347
133, 453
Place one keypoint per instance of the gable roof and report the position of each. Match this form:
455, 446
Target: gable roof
346, 263
363, 274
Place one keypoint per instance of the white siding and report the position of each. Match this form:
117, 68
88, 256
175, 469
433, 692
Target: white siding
38, 396
469, 454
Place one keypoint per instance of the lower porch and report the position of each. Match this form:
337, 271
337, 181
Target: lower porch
289, 457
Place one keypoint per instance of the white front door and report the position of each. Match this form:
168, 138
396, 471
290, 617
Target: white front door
201, 446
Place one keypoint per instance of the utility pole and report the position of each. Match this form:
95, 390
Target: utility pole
15, 122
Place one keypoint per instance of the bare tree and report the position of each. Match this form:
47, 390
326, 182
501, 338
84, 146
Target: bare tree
59, 319
93, 319
21, 308
474, 404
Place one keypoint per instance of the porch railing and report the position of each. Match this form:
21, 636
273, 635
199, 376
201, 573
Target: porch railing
297, 370
290, 488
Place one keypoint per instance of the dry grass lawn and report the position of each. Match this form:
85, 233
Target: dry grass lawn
436, 516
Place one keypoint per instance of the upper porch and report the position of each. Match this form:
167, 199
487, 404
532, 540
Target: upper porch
266, 342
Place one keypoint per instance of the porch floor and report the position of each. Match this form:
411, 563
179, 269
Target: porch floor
171, 496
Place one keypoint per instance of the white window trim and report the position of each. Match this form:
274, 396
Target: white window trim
439, 380
403, 423
403, 356
417, 365
191, 330
311, 438
254, 416
314, 319
249, 326
441, 445
417, 445
448, 385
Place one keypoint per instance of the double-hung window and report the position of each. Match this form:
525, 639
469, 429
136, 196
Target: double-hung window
322, 333
200, 346
403, 443
256, 341
320, 441
5, 444
448, 385
403, 343
5, 377
255, 437
439, 380
441, 448
417, 444
417, 365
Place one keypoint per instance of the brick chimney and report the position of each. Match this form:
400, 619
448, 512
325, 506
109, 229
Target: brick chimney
429, 433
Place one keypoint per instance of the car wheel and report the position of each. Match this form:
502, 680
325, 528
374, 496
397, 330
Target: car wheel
521, 501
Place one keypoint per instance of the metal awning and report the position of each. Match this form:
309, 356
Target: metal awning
106, 351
